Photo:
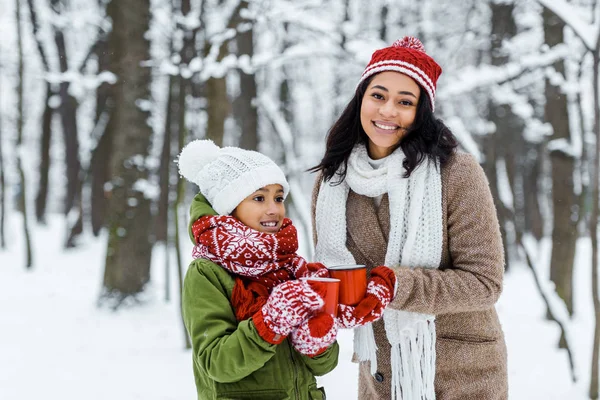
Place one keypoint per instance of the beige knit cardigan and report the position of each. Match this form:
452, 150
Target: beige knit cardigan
470, 349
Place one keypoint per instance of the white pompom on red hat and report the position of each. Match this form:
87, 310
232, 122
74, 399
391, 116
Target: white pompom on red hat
406, 55
226, 176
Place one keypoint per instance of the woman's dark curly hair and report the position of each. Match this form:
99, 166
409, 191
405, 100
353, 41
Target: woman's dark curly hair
428, 137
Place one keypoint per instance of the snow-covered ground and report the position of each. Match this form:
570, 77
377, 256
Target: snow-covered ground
55, 343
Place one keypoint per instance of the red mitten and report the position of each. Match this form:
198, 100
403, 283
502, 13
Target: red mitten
380, 292
314, 335
289, 304
311, 270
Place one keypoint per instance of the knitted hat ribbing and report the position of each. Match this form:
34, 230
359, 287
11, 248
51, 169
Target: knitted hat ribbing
226, 176
407, 56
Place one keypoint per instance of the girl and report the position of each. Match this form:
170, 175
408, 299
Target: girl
392, 190
255, 329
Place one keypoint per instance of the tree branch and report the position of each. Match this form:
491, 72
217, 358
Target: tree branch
550, 297
483, 76
588, 33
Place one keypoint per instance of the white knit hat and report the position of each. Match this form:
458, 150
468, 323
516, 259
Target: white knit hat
226, 176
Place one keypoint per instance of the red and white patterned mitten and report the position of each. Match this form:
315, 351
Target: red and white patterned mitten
311, 270
314, 335
380, 292
289, 304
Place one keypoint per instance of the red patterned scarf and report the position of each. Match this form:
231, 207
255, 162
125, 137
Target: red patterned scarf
258, 260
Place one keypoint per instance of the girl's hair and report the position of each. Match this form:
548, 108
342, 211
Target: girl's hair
428, 137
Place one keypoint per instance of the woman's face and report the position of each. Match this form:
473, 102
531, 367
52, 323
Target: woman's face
263, 210
388, 109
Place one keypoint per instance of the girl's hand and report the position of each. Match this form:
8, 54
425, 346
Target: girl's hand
314, 335
289, 305
312, 270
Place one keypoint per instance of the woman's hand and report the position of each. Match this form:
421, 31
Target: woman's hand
289, 305
380, 292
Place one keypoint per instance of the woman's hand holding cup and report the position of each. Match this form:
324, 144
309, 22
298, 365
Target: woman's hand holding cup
353, 282
381, 289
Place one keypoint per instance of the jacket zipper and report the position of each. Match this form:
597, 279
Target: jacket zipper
295, 371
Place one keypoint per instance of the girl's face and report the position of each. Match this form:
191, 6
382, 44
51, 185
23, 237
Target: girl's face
263, 210
388, 109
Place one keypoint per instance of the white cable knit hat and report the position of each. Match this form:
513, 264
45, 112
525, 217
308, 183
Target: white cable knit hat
226, 176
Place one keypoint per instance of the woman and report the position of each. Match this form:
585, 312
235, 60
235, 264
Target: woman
393, 191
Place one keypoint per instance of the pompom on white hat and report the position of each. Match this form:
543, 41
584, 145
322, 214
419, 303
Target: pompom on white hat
226, 176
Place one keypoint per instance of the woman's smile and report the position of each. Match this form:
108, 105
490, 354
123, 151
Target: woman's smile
385, 128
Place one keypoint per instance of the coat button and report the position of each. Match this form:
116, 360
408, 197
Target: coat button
378, 377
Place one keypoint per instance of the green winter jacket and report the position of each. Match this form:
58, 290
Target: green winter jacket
230, 359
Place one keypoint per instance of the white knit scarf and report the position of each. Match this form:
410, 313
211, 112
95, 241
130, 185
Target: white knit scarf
415, 240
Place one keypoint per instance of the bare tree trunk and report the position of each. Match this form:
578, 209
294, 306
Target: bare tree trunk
44, 167
218, 106
534, 222
100, 175
67, 111
68, 114
339, 104
166, 219
178, 201
20, 124
515, 154
42, 194
584, 163
506, 123
244, 106
185, 89
383, 28
283, 108
164, 173
594, 225
285, 96
129, 248
99, 168
177, 242
2, 192
564, 200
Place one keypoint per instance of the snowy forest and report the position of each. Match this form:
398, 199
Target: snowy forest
97, 98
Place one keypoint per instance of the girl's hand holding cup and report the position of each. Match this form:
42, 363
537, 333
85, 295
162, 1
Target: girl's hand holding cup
289, 305
311, 270
316, 334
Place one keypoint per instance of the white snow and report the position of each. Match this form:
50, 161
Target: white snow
55, 343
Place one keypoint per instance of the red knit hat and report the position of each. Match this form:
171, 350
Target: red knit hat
407, 56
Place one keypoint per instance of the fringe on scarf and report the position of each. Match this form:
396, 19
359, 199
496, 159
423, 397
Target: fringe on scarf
412, 359
365, 346
413, 364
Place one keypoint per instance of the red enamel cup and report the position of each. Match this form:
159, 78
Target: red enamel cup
331, 296
353, 282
